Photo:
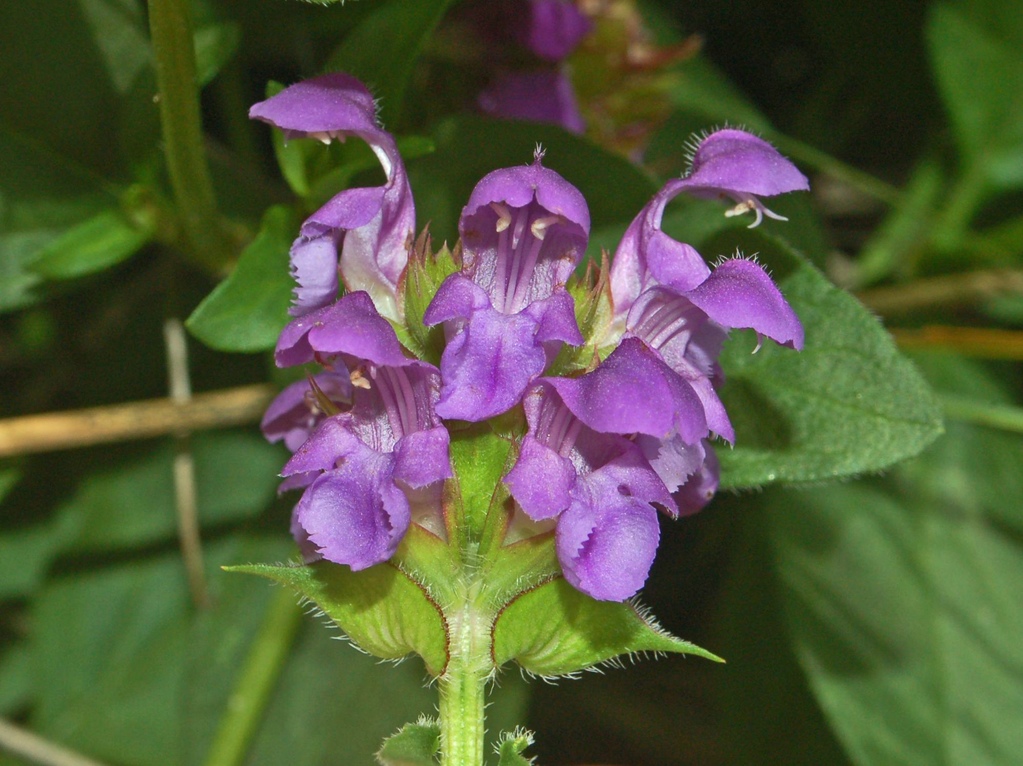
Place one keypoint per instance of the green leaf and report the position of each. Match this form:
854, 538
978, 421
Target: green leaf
106, 652
380, 609
401, 29
847, 404
119, 31
511, 747
977, 54
554, 630
414, 744
98, 243
247, 311
133, 504
905, 613
615, 189
42, 195
215, 44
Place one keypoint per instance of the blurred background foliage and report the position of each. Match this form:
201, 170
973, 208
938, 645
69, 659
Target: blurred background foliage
866, 621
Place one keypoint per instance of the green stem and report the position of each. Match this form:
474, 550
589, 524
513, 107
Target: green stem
170, 27
1001, 416
953, 224
462, 690
256, 681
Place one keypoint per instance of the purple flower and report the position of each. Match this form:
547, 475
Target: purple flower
544, 95
362, 233
734, 163
576, 465
555, 28
297, 410
362, 466
507, 312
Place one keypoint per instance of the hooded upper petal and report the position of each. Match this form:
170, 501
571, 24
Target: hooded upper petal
523, 233
737, 163
360, 233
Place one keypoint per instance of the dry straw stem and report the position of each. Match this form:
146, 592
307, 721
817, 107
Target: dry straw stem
136, 420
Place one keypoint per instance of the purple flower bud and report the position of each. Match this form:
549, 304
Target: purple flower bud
360, 233
507, 312
544, 95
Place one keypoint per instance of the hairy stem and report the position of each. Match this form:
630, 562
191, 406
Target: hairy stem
462, 689
171, 29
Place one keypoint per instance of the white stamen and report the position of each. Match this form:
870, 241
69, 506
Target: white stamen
758, 209
540, 225
322, 136
359, 379
504, 216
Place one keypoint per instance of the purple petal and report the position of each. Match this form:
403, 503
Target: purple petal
544, 95
351, 326
327, 104
294, 413
314, 267
541, 480
328, 445
458, 297
701, 486
606, 540
555, 28
371, 226
634, 391
555, 319
739, 164
674, 461
488, 365
355, 515
740, 294
421, 457
647, 257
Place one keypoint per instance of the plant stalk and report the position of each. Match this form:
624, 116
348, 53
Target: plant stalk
462, 690
170, 27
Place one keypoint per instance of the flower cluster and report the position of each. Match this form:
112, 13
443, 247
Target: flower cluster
616, 414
